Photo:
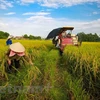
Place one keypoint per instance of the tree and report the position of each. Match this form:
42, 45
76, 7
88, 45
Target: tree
32, 37
25, 36
3, 35
88, 37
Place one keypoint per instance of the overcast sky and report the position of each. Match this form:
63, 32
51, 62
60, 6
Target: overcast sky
39, 17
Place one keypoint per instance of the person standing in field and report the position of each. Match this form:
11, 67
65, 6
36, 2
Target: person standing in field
61, 47
14, 55
9, 41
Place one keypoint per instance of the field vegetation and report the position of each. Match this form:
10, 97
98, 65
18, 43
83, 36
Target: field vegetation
73, 76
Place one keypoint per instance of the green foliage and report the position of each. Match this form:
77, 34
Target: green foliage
31, 37
88, 37
25, 36
3, 35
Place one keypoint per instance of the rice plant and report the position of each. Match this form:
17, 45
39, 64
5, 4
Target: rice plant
73, 76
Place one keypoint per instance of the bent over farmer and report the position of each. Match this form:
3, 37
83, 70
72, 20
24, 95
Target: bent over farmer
15, 53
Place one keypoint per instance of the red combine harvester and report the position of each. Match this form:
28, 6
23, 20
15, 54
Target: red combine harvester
63, 37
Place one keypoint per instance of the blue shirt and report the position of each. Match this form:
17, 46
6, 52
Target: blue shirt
8, 42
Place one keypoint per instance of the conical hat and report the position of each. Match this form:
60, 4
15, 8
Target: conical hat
17, 47
9, 37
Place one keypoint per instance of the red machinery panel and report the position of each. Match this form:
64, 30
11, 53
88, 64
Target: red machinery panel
66, 41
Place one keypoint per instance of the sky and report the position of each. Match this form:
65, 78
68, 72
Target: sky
39, 17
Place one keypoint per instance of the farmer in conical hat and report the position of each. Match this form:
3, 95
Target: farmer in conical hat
15, 53
9, 41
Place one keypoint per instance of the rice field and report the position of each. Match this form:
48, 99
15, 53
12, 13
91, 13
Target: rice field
73, 76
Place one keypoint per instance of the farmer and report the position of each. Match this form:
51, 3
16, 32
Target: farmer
15, 53
55, 41
9, 41
64, 34
60, 36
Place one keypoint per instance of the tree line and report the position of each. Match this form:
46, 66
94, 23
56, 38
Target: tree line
88, 37
4, 35
31, 37
82, 37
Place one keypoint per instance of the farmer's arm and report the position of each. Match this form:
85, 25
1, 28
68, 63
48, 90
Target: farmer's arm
7, 57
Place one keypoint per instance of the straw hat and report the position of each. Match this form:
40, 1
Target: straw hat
9, 37
17, 47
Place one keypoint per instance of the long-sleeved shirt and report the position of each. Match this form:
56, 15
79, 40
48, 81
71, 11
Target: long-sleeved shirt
9, 42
